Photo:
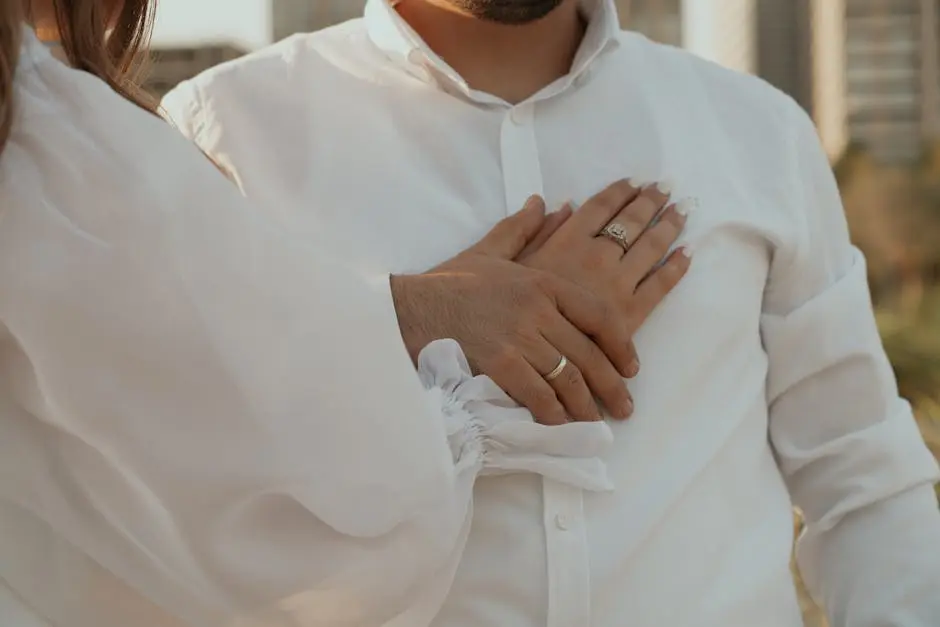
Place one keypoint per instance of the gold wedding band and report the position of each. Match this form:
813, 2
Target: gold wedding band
618, 234
554, 374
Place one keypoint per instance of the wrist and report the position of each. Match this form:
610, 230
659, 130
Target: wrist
410, 296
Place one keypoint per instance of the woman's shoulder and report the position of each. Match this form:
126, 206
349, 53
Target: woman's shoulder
82, 153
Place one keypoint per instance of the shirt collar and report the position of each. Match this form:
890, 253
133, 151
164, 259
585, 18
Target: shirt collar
32, 49
394, 36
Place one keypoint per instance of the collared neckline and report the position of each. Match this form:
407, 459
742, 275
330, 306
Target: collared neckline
395, 37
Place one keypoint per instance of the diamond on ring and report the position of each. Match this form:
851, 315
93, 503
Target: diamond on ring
617, 233
554, 374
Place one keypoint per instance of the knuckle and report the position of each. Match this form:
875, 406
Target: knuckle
503, 359
555, 414
643, 204
661, 237
594, 356
573, 376
546, 406
673, 270
543, 399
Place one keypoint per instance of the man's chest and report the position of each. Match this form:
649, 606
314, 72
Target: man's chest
410, 183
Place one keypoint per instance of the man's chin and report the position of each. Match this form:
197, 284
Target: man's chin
509, 12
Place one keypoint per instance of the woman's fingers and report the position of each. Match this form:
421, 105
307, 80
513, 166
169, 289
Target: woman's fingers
653, 245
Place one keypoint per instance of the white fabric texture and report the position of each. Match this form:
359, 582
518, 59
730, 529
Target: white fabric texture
763, 379
205, 420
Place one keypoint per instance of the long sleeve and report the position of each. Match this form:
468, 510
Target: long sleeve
205, 421
846, 442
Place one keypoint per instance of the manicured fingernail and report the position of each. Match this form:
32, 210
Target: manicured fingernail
684, 207
664, 187
635, 183
570, 204
687, 251
626, 410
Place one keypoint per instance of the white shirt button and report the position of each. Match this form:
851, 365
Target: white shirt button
521, 114
561, 521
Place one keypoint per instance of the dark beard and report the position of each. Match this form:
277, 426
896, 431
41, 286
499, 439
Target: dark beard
508, 11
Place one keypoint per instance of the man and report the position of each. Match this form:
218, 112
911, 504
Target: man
763, 383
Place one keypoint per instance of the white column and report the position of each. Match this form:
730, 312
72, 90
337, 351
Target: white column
723, 31
929, 70
830, 105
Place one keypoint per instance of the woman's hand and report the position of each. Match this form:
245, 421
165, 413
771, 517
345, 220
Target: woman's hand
631, 270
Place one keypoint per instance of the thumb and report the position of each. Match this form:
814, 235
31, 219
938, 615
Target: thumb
511, 235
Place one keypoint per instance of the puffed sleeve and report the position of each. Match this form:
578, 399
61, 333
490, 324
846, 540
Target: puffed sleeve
846, 442
218, 416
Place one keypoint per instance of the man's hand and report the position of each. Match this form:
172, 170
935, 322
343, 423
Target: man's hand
514, 323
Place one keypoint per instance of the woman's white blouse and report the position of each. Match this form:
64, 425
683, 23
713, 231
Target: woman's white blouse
205, 421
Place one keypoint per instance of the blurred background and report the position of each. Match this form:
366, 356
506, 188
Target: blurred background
867, 71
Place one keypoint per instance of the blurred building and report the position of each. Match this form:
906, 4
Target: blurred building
660, 20
296, 16
868, 71
170, 66
891, 84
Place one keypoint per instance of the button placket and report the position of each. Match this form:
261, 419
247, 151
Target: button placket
565, 535
569, 592
522, 172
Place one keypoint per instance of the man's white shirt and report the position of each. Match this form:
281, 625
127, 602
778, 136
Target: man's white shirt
763, 384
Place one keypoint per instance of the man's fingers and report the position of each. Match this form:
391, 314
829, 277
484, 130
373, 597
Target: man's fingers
597, 318
569, 386
590, 373
511, 235
633, 367
551, 224
527, 387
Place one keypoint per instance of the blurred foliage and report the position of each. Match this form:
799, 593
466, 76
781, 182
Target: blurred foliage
894, 217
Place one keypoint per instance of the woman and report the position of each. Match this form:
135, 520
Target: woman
184, 437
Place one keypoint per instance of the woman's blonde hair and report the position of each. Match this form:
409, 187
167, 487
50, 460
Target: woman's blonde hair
107, 38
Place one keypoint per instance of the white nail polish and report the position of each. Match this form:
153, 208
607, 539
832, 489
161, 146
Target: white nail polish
687, 250
664, 187
685, 206
635, 183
